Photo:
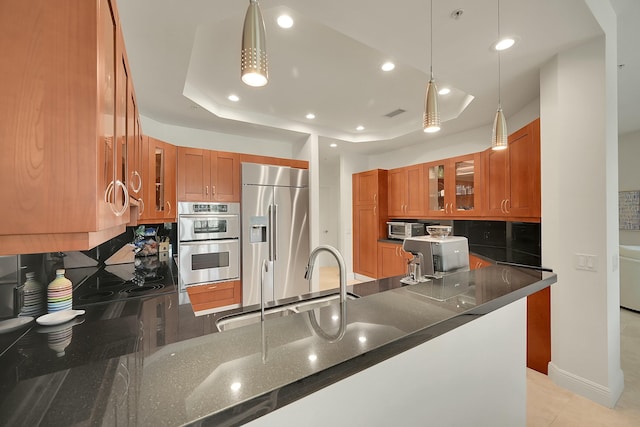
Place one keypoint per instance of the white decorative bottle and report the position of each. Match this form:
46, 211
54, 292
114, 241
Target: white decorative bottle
59, 293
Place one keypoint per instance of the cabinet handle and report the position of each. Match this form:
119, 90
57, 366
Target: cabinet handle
374, 210
206, 190
502, 206
213, 190
141, 202
136, 188
212, 287
375, 197
169, 203
110, 190
507, 202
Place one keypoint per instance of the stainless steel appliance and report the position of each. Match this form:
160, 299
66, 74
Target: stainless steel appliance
439, 254
402, 230
275, 230
208, 243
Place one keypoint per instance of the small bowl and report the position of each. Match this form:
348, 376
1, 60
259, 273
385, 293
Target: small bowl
439, 230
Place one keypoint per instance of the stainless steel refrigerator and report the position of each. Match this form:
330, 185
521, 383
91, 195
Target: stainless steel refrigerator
275, 231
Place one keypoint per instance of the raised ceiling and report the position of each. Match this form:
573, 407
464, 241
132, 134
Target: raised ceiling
184, 58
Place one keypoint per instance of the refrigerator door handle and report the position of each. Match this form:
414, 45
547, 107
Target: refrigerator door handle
270, 231
275, 232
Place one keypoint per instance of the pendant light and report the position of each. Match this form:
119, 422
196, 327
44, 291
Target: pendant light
253, 65
431, 118
499, 134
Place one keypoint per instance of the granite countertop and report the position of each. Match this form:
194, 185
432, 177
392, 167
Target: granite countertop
152, 361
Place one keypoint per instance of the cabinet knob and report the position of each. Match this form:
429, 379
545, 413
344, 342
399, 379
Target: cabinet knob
206, 190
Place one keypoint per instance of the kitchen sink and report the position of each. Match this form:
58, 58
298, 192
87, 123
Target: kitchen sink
234, 321
320, 302
238, 320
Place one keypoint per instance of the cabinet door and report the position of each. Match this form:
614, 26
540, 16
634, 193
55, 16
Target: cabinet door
392, 260
524, 172
365, 240
194, 172
496, 166
170, 196
464, 185
397, 190
434, 178
365, 187
225, 176
162, 188
414, 201
215, 295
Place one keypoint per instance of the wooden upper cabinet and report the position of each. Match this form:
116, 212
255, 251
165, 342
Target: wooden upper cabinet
266, 160
366, 187
225, 177
453, 187
406, 191
160, 194
208, 176
512, 176
193, 174
60, 106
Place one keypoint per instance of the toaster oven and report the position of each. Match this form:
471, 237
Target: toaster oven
402, 230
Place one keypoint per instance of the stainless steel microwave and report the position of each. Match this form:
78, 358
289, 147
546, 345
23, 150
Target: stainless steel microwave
402, 230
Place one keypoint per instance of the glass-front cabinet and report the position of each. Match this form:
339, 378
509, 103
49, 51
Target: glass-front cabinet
452, 186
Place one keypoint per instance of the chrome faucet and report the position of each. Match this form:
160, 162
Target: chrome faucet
343, 271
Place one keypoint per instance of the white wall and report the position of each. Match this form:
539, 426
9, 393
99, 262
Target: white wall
579, 211
471, 376
198, 138
436, 148
629, 176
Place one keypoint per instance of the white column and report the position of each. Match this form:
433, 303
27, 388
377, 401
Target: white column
578, 99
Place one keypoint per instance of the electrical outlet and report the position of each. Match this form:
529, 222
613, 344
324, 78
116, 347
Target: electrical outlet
586, 262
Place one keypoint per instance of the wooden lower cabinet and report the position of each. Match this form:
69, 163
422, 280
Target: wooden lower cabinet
539, 330
392, 260
477, 262
215, 295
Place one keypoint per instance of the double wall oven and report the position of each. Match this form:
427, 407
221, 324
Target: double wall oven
208, 243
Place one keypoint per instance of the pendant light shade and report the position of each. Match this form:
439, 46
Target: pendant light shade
431, 115
253, 65
431, 119
499, 134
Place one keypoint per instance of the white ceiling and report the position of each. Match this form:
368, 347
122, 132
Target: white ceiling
184, 58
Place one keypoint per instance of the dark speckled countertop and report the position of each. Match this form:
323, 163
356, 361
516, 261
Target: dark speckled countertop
151, 361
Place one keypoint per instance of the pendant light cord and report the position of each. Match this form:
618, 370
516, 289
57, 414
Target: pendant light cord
499, 65
431, 38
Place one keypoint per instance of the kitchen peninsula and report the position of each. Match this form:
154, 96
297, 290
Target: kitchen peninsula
150, 361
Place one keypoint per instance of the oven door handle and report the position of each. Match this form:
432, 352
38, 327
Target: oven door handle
209, 216
207, 242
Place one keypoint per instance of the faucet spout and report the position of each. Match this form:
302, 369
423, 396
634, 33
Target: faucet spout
341, 266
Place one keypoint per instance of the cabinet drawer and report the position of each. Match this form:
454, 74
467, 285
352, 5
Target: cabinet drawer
213, 295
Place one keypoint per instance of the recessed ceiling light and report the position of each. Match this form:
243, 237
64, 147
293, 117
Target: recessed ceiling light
333, 145
444, 91
360, 127
388, 66
285, 21
233, 98
311, 116
504, 44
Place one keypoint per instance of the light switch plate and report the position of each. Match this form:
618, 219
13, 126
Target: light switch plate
586, 262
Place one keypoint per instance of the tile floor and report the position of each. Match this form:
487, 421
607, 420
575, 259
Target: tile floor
551, 405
